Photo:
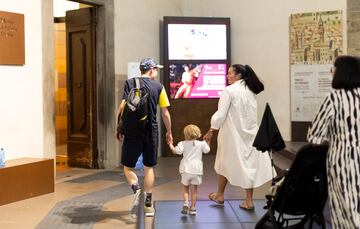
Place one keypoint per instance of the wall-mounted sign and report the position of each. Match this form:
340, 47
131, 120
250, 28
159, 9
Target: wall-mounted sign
133, 69
315, 42
12, 41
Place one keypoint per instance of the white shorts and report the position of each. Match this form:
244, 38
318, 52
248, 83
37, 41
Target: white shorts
187, 179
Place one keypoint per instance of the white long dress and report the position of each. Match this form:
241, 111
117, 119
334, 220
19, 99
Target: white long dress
236, 119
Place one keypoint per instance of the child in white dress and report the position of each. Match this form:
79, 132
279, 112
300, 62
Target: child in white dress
191, 166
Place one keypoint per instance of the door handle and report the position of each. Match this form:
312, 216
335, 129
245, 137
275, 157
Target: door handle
78, 84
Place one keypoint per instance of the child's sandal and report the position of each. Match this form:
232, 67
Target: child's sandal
192, 211
185, 209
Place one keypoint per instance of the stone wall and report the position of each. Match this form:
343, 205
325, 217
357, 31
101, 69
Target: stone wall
353, 27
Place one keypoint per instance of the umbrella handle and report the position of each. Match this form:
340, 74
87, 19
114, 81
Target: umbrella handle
272, 167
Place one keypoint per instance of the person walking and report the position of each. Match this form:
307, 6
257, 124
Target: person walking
237, 161
191, 166
337, 123
132, 147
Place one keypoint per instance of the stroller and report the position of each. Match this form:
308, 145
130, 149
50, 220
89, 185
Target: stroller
300, 198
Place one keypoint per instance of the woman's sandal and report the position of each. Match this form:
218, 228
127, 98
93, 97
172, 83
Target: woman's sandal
212, 197
244, 206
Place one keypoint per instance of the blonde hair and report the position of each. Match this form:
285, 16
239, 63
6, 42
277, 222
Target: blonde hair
192, 132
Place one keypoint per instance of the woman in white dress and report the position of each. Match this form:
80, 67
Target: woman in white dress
237, 161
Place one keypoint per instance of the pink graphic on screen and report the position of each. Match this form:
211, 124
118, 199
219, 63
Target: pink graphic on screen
197, 80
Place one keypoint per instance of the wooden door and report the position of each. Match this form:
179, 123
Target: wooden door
81, 89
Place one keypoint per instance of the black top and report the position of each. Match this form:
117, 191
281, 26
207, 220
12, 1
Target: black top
154, 88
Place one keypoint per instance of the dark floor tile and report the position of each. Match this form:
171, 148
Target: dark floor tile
248, 216
168, 212
248, 225
201, 226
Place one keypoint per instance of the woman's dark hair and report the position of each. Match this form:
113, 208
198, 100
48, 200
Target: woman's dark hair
250, 77
347, 72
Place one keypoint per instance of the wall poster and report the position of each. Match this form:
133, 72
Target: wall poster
315, 41
12, 41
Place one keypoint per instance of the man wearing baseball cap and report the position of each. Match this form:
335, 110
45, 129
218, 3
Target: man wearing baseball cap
148, 145
149, 63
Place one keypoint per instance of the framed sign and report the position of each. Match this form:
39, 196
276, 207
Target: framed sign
12, 41
315, 42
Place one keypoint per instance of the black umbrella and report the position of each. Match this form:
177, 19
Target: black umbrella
268, 137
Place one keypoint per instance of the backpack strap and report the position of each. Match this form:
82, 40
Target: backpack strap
137, 82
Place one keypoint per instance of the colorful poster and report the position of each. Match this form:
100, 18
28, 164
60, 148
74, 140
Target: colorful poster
315, 42
197, 80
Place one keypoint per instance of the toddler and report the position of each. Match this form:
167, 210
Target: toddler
191, 166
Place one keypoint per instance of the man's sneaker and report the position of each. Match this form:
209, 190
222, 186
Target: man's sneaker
185, 209
135, 203
149, 211
192, 211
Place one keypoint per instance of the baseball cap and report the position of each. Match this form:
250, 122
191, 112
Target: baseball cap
149, 63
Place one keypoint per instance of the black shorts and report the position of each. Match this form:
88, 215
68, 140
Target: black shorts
133, 147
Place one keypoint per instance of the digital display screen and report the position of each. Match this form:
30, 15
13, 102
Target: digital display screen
191, 80
197, 42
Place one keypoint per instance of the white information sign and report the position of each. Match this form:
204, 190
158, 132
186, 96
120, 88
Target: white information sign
133, 70
309, 85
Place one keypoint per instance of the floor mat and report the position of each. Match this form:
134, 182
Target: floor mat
82, 212
209, 215
71, 214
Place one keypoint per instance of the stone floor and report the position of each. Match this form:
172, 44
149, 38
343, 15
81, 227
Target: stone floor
101, 199
209, 215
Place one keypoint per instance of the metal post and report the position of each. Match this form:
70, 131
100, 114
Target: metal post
140, 221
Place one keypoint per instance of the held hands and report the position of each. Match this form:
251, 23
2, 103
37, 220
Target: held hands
169, 138
208, 136
171, 146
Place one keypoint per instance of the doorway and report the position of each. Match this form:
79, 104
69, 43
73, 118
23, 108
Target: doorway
64, 99
104, 142
60, 95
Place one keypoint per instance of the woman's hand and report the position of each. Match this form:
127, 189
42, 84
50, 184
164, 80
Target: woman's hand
208, 136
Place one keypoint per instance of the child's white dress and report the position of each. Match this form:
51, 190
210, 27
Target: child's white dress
192, 158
